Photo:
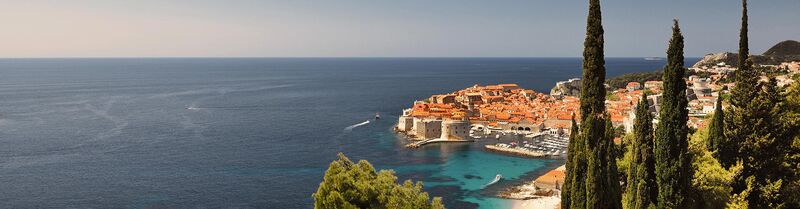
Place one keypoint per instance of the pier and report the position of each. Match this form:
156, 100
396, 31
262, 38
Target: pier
515, 151
419, 144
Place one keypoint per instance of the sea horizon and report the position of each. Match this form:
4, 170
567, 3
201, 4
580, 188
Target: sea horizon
242, 129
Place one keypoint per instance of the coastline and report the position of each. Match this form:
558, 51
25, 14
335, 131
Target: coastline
542, 193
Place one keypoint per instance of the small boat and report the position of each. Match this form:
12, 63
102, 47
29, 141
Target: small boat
496, 179
377, 116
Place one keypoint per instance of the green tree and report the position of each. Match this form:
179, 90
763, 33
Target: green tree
717, 142
613, 190
742, 118
576, 173
792, 119
642, 192
594, 182
673, 162
759, 126
711, 182
565, 190
349, 185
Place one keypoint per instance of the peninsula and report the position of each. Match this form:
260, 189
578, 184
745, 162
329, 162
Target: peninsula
503, 108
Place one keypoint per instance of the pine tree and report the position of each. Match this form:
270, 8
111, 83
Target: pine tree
641, 191
716, 142
349, 185
768, 145
565, 189
673, 162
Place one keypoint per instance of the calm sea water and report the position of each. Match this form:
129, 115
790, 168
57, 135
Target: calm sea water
242, 133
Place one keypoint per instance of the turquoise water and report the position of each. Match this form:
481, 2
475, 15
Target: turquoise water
468, 169
260, 133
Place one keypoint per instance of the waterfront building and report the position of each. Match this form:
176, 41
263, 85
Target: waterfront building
454, 129
427, 128
405, 123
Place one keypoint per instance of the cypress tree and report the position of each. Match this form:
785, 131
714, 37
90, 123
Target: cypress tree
577, 174
631, 191
741, 121
716, 142
565, 189
673, 162
641, 192
593, 174
609, 149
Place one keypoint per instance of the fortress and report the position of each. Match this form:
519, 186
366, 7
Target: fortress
503, 107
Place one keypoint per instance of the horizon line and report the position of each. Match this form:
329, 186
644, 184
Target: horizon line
314, 57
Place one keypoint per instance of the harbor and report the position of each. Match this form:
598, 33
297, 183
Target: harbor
539, 146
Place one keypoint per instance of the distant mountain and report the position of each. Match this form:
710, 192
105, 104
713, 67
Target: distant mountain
784, 51
784, 48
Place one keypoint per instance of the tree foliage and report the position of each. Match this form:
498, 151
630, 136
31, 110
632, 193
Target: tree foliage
717, 143
349, 185
565, 190
673, 162
759, 127
622, 81
593, 174
712, 181
641, 188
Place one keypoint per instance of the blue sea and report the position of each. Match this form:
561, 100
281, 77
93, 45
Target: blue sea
243, 132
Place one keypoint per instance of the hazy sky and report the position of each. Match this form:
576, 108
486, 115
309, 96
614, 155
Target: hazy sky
357, 28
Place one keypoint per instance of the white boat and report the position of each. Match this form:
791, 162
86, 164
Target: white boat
496, 179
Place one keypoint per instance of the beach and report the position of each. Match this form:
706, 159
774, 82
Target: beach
538, 203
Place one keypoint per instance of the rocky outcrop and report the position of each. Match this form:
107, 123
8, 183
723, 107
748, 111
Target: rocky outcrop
714, 59
571, 87
781, 52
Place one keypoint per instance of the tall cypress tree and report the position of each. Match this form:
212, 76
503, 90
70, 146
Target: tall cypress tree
642, 192
741, 121
592, 130
565, 189
716, 142
673, 162
594, 183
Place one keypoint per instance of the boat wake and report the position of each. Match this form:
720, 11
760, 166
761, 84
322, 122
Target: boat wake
496, 179
349, 128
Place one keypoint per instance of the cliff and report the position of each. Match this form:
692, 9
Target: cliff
781, 52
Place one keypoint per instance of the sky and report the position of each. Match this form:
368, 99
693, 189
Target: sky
379, 28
